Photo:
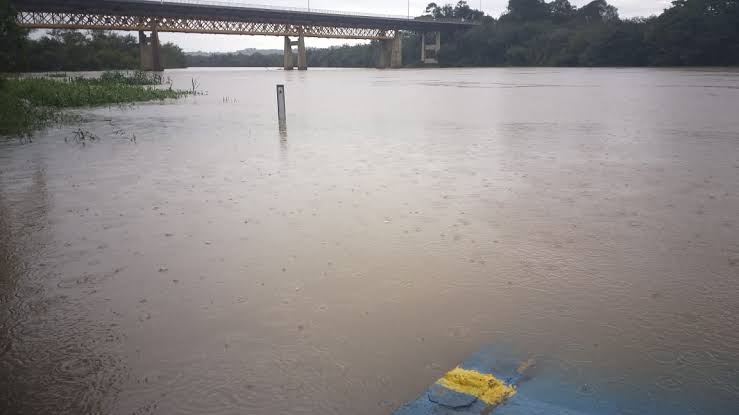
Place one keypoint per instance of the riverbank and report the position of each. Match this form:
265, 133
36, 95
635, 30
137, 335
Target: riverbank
29, 103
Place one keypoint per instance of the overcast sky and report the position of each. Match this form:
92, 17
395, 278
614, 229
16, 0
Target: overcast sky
226, 43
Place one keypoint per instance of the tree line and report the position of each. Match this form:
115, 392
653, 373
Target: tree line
66, 50
359, 56
529, 33
556, 33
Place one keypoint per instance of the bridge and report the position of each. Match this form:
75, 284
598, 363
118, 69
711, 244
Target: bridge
220, 17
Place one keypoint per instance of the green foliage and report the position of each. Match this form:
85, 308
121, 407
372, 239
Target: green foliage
597, 11
12, 38
63, 50
359, 56
461, 11
123, 78
235, 59
537, 33
52, 93
698, 32
26, 103
527, 10
561, 10
16, 115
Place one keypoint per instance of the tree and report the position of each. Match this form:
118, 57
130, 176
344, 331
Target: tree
698, 32
528, 9
11, 38
433, 10
561, 10
64, 50
598, 11
461, 11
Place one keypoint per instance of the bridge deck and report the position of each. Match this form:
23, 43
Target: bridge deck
224, 11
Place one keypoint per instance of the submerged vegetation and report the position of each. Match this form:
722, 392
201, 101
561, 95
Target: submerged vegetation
27, 103
82, 93
123, 78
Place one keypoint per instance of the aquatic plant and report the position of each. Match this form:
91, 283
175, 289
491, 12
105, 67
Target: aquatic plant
81, 136
124, 78
26, 103
52, 93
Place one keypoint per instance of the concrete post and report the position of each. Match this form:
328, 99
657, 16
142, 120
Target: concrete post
281, 114
143, 60
156, 57
423, 47
302, 58
382, 54
438, 45
288, 56
396, 51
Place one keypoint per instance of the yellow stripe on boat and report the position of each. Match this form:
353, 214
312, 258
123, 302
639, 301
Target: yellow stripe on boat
484, 387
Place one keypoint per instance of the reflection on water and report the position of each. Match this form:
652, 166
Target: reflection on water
283, 136
50, 362
586, 217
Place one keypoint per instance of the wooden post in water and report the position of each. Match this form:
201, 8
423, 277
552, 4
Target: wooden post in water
281, 103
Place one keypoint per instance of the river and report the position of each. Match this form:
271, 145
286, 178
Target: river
197, 258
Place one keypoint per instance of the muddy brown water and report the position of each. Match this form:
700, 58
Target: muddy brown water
400, 221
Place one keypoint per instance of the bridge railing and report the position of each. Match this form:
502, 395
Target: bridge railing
234, 4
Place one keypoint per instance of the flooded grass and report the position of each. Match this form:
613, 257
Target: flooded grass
123, 78
28, 103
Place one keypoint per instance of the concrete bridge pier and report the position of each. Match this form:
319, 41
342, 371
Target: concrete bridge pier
289, 63
396, 51
150, 51
156, 54
382, 54
143, 55
288, 55
390, 52
302, 57
430, 51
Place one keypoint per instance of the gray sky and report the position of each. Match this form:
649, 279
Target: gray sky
225, 43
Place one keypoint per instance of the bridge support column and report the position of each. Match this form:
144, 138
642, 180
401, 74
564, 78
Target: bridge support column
430, 52
396, 51
288, 55
390, 52
302, 57
144, 61
149, 52
156, 56
382, 54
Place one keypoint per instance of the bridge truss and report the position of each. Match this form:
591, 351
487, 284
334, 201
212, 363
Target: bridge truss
97, 21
